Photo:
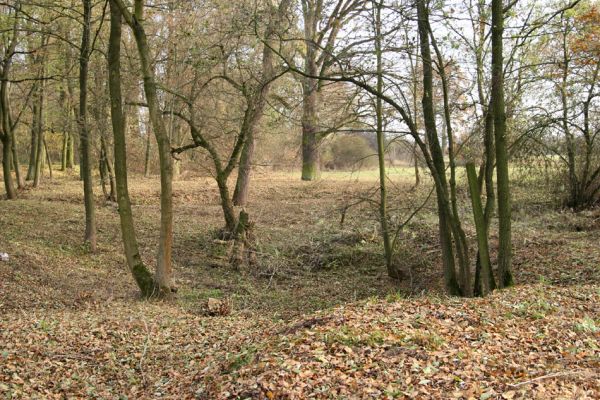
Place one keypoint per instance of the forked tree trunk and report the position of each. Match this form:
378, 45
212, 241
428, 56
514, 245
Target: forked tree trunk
482, 284
256, 104
140, 272
164, 270
448, 227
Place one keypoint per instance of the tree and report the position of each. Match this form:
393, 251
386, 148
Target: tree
256, 101
164, 269
142, 276
383, 215
84, 130
319, 38
6, 124
505, 277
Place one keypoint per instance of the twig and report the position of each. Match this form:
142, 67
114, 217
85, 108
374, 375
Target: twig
553, 375
141, 363
72, 357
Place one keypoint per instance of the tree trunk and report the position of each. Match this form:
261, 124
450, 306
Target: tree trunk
483, 283
11, 193
226, 203
39, 131
164, 269
310, 100
147, 155
416, 166
310, 141
48, 159
140, 272
70, 152
16, 164
257, 103
33, 145
240, 194
84, 131
6, 128
460, 241
447, 224
383, 217
63, 153
502, 178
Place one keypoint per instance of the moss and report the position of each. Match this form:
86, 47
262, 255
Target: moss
309, 172
144, 280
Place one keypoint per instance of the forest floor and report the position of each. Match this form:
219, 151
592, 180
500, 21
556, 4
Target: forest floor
316, 317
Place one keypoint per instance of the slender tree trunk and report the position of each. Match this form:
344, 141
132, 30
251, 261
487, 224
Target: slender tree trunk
502, 178
383, 217
226, 203
416, 165
487, 177
240, 194
16, 164
164, 270
84, 131
447, 225
147, 155
6, 128
257, 103
140, 272
570, 140
48, 159
39, 128
33, 145
6, 136
63, 153
460, 241
9, 186
483, 283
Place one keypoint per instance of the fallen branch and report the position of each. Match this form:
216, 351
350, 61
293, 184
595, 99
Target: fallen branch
553, 375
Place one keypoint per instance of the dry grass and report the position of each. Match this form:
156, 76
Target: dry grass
302, 247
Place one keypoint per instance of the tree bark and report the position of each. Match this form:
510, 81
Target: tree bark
447, 227
39, 133
383, 215
310, 142
140, 272
483, 283
16, 163
164, 269
9, 186
6, 128
310, 98
33, 145
48, 158
502, 178
257, 103
85, 132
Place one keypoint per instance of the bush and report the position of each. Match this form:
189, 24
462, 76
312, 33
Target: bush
349, 152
